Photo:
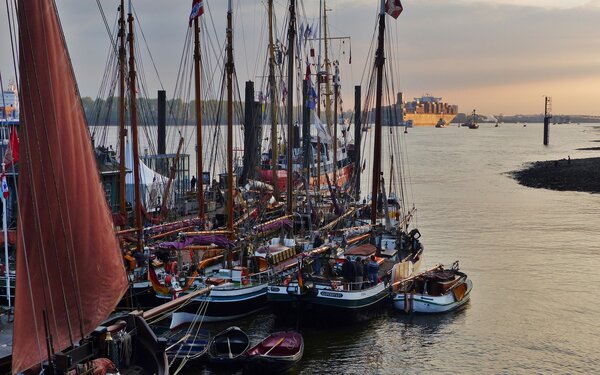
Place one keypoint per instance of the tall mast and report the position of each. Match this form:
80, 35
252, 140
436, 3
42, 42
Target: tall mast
335, 125
319, 98
229, 66
379, 62
274, 103
327, 71
134, 133
122, 57
200, 194
290, 104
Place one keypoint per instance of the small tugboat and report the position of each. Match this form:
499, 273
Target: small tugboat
277, 353
471, 122
228, 347
437, 290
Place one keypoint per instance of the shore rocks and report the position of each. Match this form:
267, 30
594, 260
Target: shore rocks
565, 174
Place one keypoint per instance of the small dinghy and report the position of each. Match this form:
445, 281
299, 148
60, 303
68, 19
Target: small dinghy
228, 347
187, 345
276, 353
435, 291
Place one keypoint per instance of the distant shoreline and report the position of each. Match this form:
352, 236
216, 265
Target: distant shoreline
575, 175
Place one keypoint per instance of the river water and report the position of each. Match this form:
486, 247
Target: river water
533, 256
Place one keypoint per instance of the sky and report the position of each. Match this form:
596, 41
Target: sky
495, 56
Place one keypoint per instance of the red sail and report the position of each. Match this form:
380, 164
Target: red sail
69, 268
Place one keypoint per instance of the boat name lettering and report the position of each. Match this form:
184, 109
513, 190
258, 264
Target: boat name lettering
274, 289
332, 294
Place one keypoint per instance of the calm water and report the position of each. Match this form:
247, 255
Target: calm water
533, 255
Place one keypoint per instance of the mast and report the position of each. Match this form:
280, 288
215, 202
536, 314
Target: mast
134, 133
327, 73
290, 104
122, 131
229, 66
335, 125
357, 138
273, 88
319, 98
379, 62
198, 107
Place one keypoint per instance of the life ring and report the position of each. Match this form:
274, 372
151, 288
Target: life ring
245, 277
287, 280
334, 285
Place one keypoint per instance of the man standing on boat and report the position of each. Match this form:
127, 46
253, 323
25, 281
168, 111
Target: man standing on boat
373, 269
348, 272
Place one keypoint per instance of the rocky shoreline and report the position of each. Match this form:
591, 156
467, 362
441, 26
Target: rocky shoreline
564, 174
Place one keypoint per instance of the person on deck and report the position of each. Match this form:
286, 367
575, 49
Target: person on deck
373, 269
193, 183
349, 273
358, 272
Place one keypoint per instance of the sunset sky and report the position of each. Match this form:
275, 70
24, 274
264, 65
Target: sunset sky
497, 56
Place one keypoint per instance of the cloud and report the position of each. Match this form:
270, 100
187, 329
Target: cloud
446, 48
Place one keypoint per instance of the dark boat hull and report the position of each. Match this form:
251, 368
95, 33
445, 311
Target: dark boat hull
228, 347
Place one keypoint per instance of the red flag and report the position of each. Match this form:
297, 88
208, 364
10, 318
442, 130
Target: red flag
12, 151
197, 10
393, 9
307, 76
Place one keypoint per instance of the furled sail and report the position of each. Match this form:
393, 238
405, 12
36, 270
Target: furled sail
70, 274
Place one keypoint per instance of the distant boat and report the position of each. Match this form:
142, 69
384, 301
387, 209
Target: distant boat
471, 122
441, 123
435, 291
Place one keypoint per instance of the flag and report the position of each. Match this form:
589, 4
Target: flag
321, 130
394, 9
307, 75
311, 102
300, 281
197, 10
11, 156
4, 186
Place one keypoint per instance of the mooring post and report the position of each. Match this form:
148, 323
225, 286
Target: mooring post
547, 117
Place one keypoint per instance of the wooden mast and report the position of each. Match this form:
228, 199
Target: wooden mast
122, 57
379, 62
229, 67
198, 107
134, 133
335, 126
290, 105
274, 103
328, 90
319, 101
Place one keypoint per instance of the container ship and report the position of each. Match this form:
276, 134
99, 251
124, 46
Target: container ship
426, 111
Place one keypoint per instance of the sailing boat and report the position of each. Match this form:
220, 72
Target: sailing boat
70, 273
395, 253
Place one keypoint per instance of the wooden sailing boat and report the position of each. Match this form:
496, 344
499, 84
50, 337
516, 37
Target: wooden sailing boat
396, 252
70, 274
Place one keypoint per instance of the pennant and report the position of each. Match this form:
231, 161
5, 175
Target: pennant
394, 9
11, 156
4, 186
197, 10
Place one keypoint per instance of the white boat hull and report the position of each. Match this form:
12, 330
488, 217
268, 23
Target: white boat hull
423, 303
